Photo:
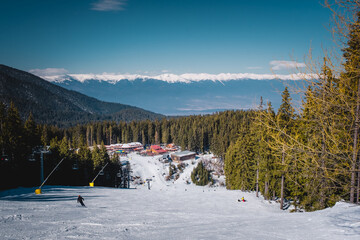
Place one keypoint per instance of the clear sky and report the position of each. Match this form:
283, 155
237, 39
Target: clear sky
155, 36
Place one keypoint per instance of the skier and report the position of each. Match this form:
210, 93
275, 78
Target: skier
80, 200
243, 199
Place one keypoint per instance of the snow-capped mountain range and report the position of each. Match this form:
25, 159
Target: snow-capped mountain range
184, 94
174, 78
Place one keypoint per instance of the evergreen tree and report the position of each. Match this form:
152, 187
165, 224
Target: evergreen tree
284, 119
96, 157
268, 174
103, 154
200, 175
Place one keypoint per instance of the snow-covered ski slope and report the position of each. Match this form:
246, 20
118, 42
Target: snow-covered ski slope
167, 211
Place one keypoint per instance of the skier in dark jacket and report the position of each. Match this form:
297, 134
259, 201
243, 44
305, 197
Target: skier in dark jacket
80, 200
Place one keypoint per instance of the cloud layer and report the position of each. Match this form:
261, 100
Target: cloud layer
109, 5
282, 65
203, 105
48, 72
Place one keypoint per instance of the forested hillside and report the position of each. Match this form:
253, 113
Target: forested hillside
55, 105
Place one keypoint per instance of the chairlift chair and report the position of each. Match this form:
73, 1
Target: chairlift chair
75, 166
32, 158
101, 173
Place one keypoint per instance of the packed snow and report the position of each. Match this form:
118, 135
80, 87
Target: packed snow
169, 210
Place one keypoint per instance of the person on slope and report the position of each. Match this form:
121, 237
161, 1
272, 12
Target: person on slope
80, 200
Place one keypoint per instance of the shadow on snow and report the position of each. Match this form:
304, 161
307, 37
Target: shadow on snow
49, 193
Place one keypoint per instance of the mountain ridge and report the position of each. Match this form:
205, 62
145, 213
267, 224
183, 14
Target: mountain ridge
53, 104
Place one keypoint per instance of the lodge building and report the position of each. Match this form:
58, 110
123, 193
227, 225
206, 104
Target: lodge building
182, 156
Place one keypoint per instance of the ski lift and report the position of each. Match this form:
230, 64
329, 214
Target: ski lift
75, 166
101, 173
32, 158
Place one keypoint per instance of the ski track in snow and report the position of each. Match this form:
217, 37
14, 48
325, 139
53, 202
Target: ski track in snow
170, 210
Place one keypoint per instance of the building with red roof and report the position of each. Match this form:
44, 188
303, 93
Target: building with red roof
156, 149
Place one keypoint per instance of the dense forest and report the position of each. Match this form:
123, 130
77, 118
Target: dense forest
209, 133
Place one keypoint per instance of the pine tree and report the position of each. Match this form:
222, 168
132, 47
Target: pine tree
103, 154
96, 157
284, 123
268, 173
258, 130
200, 175
320, 121
64, 148
44, 135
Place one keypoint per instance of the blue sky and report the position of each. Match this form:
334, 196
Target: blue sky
161, 36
